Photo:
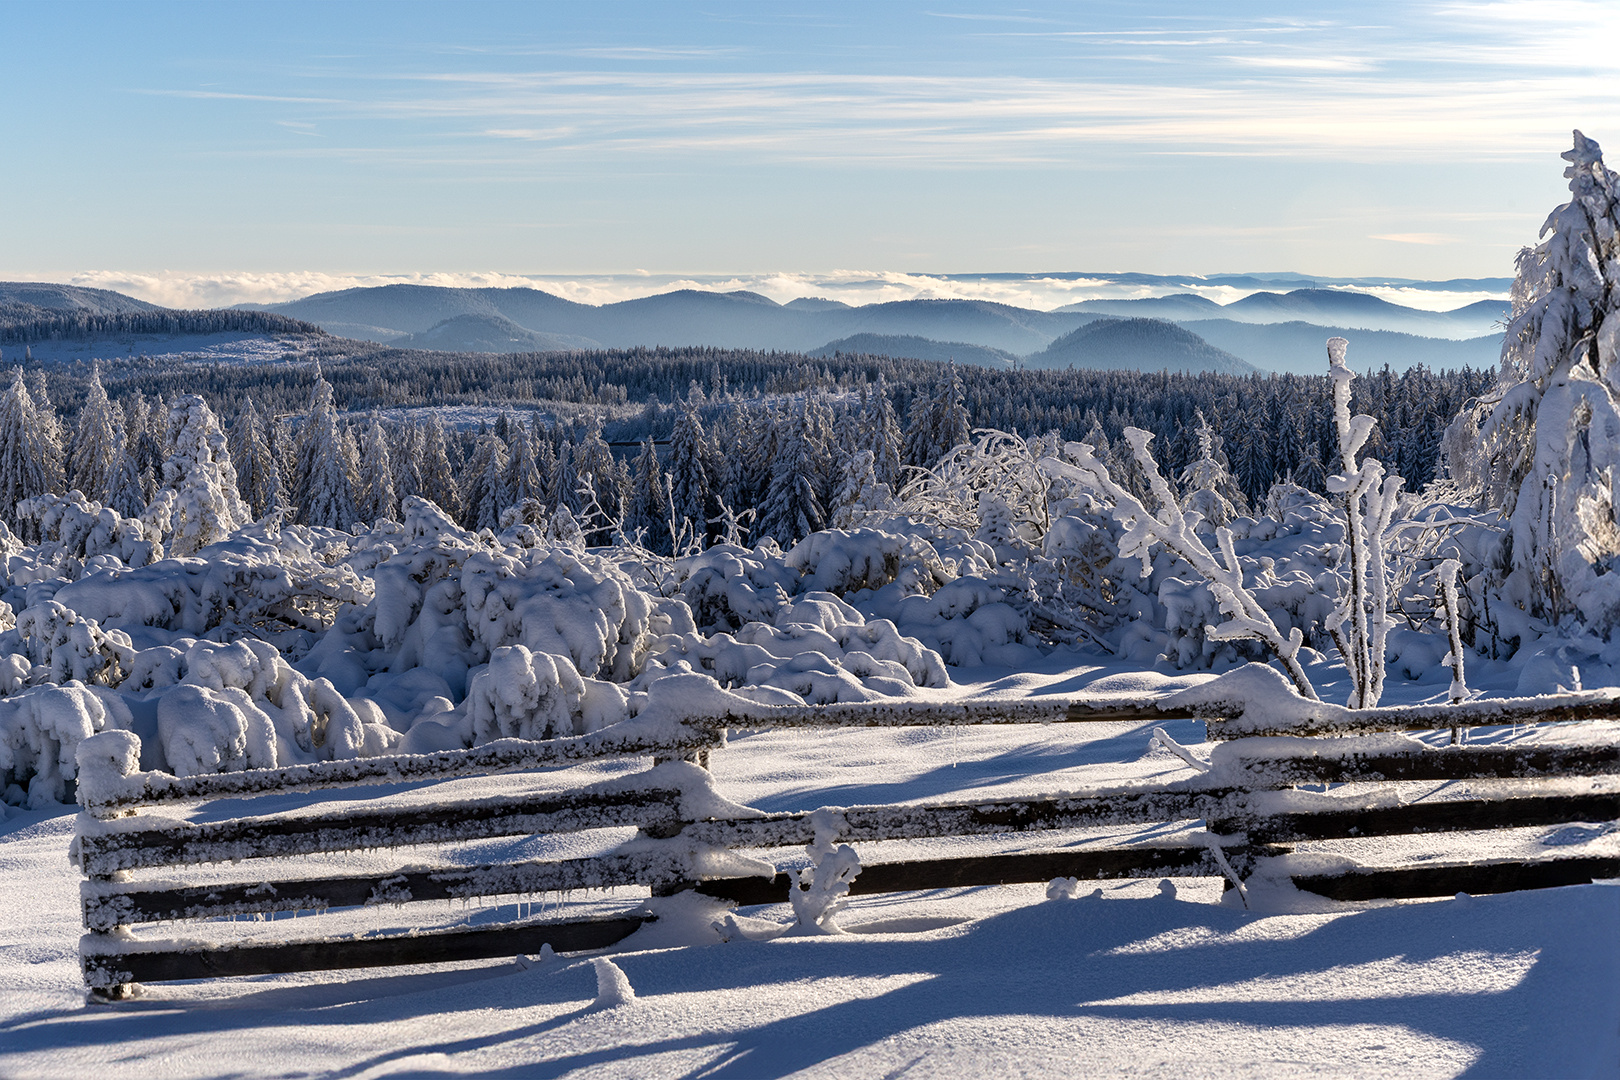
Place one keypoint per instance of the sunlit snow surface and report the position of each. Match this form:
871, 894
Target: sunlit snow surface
982, 982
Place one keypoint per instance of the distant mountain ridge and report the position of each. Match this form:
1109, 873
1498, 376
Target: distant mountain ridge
1331, 307
1268, 330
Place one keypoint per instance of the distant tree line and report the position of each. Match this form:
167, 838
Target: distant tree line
24, 324
780, 441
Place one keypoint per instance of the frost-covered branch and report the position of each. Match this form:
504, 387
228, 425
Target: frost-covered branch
1174, 529
1369, 503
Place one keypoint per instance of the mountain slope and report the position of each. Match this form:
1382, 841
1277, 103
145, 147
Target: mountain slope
71, 298
491, 334
1137, 345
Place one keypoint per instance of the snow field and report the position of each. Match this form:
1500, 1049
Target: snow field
992, 981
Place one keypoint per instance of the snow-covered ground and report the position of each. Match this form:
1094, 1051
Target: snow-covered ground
984, 982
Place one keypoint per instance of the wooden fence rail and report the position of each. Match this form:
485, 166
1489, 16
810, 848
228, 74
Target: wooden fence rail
687, 832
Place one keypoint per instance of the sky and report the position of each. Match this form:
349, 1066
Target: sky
261, 151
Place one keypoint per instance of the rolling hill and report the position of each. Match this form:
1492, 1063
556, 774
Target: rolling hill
1139, 345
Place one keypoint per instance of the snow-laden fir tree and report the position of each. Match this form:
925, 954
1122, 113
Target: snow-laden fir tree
1550, 447
545, 463
326, 469
93, 461
258, 474
127, 496
439, 484
1208, 485
884, 438
52, 443
609, 484
860, 493
1251, 464
199, 477
523, 483
377, 496
937, 423
690, 470
484, 496
140, 446
24, 454
792, 511
819, 432
407, 459
566, 481
649, 501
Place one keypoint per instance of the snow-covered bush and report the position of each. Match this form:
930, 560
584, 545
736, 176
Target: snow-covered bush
85, 529
820, 650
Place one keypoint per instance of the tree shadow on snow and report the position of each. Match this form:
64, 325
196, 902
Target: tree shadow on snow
1055, 959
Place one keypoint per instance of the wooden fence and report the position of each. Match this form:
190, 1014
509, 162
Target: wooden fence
1247, 801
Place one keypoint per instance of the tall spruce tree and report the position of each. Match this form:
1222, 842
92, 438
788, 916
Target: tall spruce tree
792, 510
377, 498
93, 461
326, 465
207, 505
439, 485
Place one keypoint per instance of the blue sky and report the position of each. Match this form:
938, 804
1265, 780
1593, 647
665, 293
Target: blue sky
270, 141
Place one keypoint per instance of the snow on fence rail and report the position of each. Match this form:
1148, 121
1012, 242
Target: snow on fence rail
690, 837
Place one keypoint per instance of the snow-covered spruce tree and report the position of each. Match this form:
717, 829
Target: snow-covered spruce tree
258, 475
523, 483
1210, 489
792, 511
407, 459
438, 478
936, 424
884, 438
326, 472
484, 495
649, 500
860, 494
690, 465
1551, 443
127, 497
545, 463
207, 507
92, 461
52, 445
609, 486
24, 457
1369, 502
377, 497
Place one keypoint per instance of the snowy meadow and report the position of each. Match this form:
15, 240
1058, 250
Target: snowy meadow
198, 584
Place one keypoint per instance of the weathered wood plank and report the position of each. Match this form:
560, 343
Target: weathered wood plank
924, 874
1324, 718
505, 755
105, 971
1396, 883
1435, 763
108, 904
1462, 815
1123, 807
101, 854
